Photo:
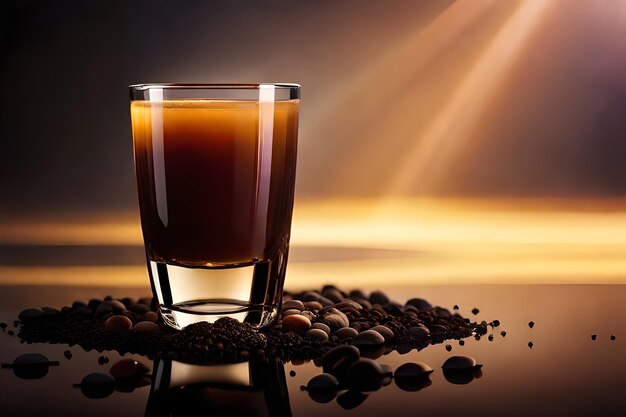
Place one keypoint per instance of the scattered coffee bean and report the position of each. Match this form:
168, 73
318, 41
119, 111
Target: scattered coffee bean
456, 307
345, 333
146, 327
322, 388
321, 326
594, 336
530, 344
531, 324
128, 368
293, 304
449, 348
97, 386
291, 312
419, 303
31, 366
503, 333
475, 311
411, 369
296, 323
335, 321
339, 355
384, 331
150, 316
313, 305
11, 333
495, 323
31, 314
139, 308
461, 342
368, 338
351, 399
317, 334
379, 297
102, 360
116, 325
490, 338
67, 354
612, 337
418, 332
292, 373
365, 374
459, 362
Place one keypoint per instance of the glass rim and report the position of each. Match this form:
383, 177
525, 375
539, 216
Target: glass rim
212, 86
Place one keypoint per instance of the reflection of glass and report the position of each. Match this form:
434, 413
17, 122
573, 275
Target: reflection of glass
216, 171
243, 389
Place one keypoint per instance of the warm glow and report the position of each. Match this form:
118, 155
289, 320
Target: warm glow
412, 242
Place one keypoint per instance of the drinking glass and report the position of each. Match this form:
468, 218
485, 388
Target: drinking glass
215, 167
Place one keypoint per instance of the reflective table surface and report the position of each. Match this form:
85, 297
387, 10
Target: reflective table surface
564, 373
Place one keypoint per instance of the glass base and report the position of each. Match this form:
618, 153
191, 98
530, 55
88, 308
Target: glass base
188, 295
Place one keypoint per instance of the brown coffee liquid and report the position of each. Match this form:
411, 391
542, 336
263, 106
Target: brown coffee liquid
215, 178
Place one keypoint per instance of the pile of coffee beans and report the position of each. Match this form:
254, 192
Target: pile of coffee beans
310, 324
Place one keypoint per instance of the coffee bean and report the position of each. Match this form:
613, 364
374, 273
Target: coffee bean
530, 344
308, 314
117, 305
490, 338
459, 362
418, 332
150, 316
384, 331
139, 308
503, 333
449, 348
323, 381
103, 309
313, 305
146, 327
116, 325
531, 324
461, 342
333, 295
456, 307
612, 337
379, 297
317, 334
296, 323
145, 301
495, 323
291, 312
97, 386
94, 303
335, 321
31, 314
594, 336
128, 368
365, 374
102, 360
475, 311
293, 305
322, 388
345, 333
292, 373
411, 369
357, 294
321, 326
67, 354
419, 303
338, 354
31, 366
368, 338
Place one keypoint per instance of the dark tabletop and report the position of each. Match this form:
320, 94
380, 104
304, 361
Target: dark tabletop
565, 373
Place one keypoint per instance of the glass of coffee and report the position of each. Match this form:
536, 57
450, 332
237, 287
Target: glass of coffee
215, 167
